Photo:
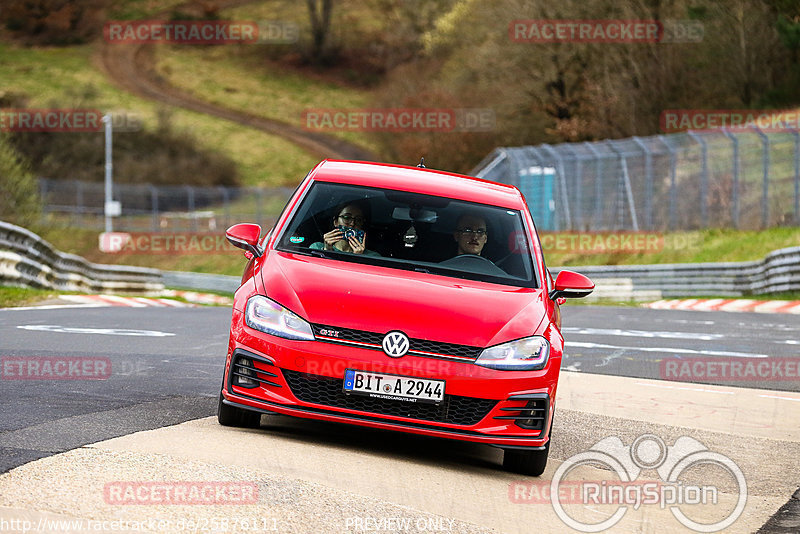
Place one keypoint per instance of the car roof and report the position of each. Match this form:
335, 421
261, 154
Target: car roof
418, 180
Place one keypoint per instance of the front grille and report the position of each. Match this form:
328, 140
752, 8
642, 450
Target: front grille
343, 335
328, 392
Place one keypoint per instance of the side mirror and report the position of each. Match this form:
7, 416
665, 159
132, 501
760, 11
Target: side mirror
571, 285
245, 236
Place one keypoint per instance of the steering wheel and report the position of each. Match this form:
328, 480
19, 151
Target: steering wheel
467, 260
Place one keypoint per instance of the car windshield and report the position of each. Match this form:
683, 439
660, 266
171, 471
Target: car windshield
411, 231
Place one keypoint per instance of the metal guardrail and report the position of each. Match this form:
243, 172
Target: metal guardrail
201, 281
778, 272
28, 260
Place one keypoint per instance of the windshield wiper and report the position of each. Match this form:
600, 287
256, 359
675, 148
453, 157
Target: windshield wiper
312, 252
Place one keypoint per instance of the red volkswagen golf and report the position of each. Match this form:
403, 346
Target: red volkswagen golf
401, 298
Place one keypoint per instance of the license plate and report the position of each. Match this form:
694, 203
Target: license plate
393, 387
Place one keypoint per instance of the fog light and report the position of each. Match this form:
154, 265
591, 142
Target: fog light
241, 372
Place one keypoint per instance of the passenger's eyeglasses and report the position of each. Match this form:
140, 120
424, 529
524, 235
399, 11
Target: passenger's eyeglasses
480, 232
349, 218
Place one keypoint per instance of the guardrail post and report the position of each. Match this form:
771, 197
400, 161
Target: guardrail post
703, 178
765, 184
735, 188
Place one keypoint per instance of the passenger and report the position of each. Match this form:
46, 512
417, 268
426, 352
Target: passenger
470, 234
351, 216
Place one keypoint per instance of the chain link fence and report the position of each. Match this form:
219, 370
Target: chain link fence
148, 208
712, 179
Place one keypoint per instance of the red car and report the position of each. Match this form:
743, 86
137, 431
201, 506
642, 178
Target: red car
401, 298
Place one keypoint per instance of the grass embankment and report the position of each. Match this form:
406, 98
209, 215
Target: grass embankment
238, 78
712, 246
66, 77
23, 296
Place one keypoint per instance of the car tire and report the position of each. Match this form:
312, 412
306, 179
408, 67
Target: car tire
526, 462
232, 416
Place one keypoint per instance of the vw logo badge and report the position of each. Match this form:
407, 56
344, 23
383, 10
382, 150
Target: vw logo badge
395, 344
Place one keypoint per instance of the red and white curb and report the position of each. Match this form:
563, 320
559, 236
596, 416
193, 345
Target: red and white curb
97, 301
199, 298
731, 305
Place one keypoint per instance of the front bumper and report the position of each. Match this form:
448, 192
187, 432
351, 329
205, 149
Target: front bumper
510, 409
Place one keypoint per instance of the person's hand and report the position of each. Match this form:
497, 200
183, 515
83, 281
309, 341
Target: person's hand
356, 245
332, 237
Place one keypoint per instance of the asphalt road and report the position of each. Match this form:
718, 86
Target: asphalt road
754, 350
171, 372
157, 378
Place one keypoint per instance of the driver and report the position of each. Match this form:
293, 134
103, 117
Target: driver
470, 234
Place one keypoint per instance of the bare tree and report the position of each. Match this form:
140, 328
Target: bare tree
319, 11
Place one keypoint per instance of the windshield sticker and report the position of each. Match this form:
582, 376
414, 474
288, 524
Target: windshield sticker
297, 239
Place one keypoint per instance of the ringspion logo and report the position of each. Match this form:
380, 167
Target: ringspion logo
602, 504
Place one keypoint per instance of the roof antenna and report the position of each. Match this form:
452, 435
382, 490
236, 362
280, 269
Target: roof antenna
421, 164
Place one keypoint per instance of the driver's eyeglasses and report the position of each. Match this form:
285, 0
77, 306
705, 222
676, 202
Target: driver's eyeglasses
480, 232
349, 218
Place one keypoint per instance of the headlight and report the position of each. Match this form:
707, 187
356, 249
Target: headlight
527, 354
270, 317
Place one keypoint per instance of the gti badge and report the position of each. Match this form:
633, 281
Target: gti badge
395, 344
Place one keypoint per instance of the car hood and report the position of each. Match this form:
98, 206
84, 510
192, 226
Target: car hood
380, 299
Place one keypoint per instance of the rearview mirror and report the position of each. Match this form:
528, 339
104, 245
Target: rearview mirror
414, 214
571, 285
245, 236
